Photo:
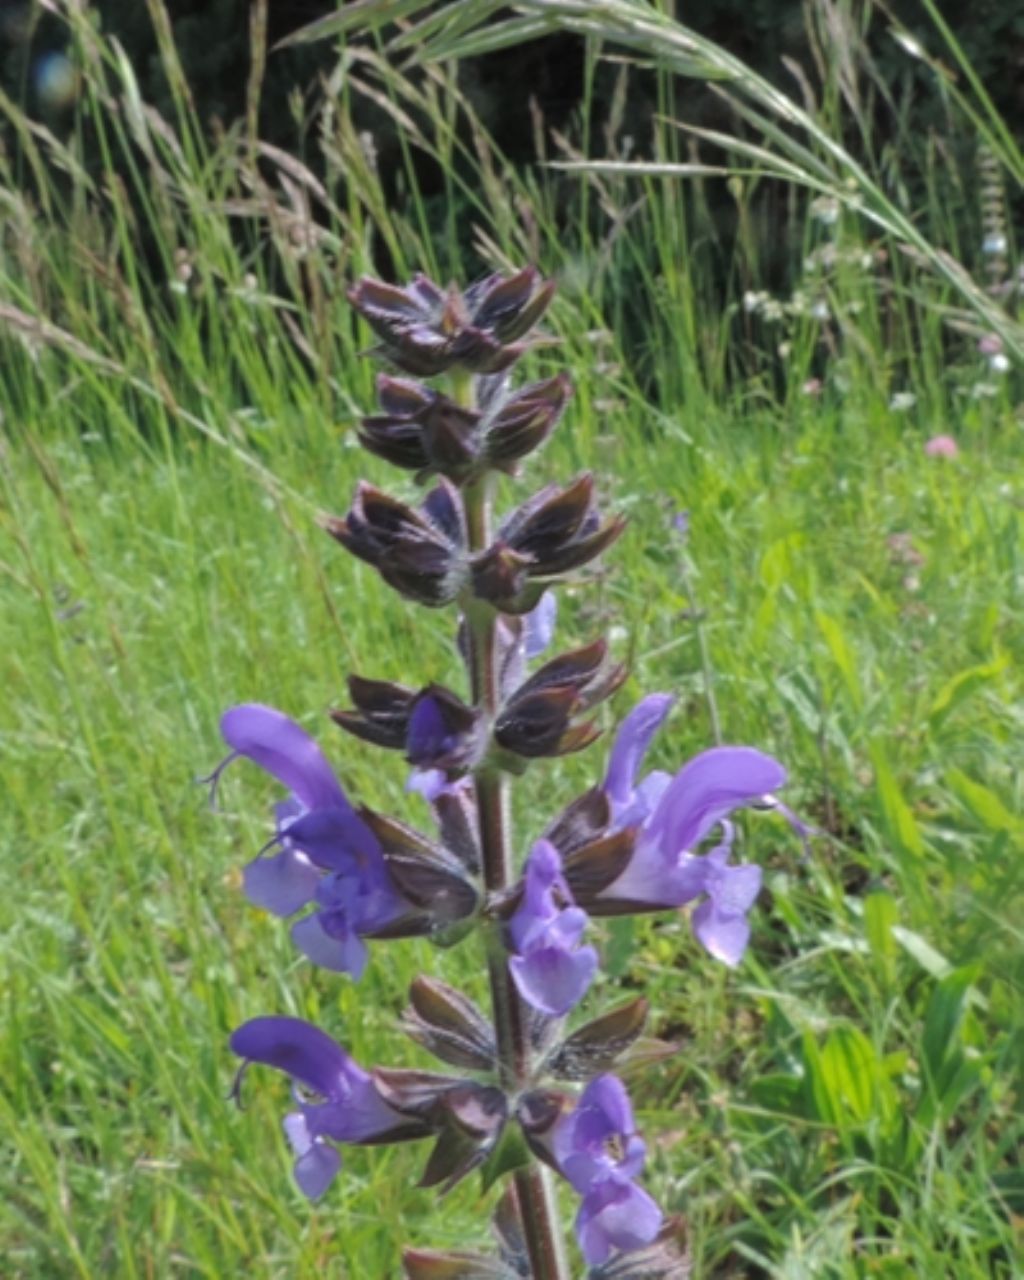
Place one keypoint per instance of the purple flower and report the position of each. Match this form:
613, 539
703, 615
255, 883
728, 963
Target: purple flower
328, 854
720, 921
632, 803
520, 640
539, 625
674, 815
434, 783
600, 1153
351, 1111
549, 968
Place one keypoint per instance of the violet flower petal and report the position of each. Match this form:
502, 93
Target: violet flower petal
297, 1048
542, 881
598, 1137
707, 790
723, 936
616, 1214
720, 923
539, 625
281, 884
316, 1162
335, 839
733, 889
277, 744
427, 736
553, 979
631, 744
550, 970
342, 951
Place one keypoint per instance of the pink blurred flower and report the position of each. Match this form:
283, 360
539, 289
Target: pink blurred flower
941, 447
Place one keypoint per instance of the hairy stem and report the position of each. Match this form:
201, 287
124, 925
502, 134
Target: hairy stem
533, 1184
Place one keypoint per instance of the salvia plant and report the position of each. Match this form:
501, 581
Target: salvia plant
521, 1094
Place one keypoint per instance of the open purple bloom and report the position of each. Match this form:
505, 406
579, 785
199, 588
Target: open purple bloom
549, 967
675, 814
351, 1109
328, 854
600, 1153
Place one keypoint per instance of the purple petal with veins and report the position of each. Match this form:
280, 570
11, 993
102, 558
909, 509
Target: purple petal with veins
301, 1050
723, 936
598, 1137
335, 839
599, 1152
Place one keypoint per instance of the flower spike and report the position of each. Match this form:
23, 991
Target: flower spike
522, 1093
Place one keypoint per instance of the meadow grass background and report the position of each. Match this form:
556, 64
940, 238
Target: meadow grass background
180, 375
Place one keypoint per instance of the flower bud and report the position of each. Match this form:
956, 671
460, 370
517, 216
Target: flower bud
595, 1047
420, 429
443, 732
426, 330
449, 1025
517, 426
381, 713
553, 532
419, 553
426, 875
473, 1117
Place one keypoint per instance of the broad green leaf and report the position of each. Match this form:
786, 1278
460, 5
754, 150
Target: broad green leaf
819, 1101
842, 656
899, 819
780, 1092
880, 914
962, 686
984, 804
944, 1017
850, 1069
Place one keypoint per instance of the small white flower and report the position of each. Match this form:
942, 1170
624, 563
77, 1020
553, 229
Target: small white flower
902, 401
994, 243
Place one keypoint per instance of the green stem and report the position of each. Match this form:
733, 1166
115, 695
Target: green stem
534, 1192
707, 670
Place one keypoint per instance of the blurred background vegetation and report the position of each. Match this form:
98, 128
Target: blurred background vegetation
840, 58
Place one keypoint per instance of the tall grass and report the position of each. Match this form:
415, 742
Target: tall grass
180, 374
